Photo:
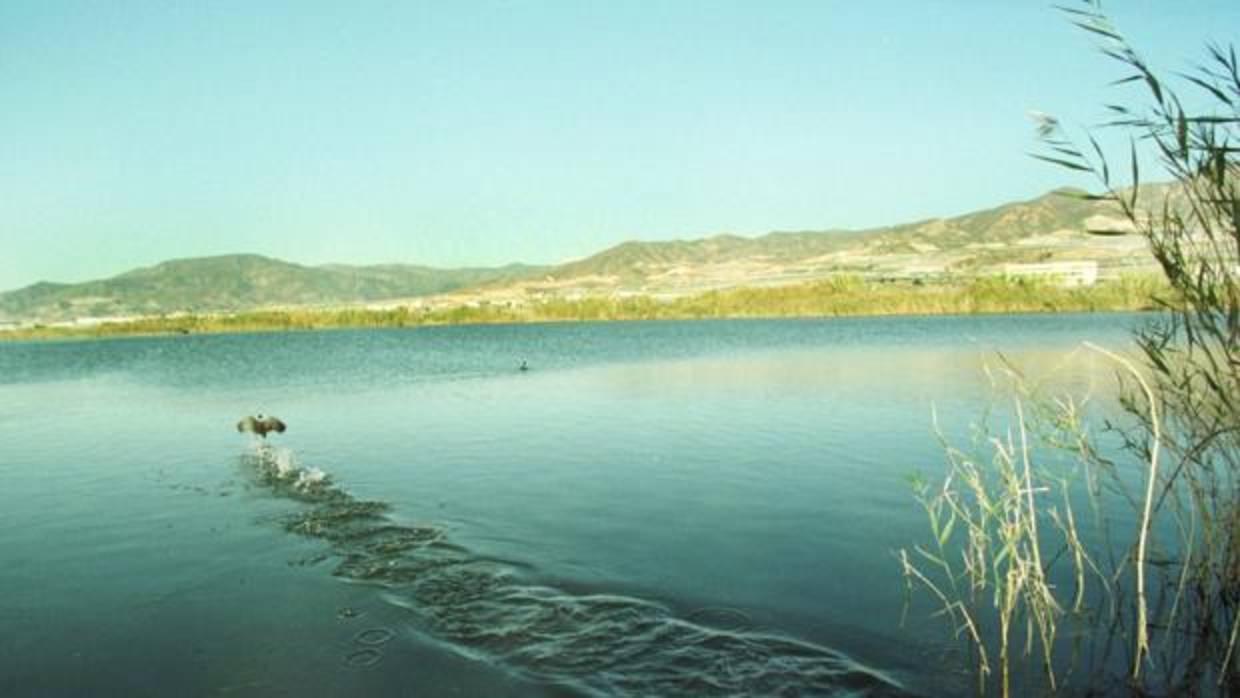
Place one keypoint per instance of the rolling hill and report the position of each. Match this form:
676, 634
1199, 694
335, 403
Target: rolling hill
1052, 227
231, 283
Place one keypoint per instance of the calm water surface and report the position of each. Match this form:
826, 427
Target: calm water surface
680, 508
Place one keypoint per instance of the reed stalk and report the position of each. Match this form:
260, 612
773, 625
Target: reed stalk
1181, 403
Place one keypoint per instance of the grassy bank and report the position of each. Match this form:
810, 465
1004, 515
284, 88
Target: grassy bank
841, 296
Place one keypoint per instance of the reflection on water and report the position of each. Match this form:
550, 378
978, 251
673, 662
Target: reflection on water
602, 644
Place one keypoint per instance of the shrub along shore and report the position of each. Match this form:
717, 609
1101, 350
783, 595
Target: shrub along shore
837, 297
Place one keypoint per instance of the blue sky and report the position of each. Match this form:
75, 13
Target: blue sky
462, 133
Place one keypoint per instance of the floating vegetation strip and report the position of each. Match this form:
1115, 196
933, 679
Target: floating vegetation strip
599, 644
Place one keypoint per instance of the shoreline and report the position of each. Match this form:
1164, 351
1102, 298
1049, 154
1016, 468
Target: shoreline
820, 300
836, 298
85, 335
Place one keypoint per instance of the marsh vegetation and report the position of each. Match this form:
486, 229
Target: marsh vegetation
840, 296
1049, 552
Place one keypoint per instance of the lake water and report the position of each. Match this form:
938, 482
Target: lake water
673, 508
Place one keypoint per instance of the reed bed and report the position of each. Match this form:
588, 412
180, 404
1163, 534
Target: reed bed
836, 297
1164, 583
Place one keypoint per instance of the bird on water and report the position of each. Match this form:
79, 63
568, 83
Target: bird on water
261, 425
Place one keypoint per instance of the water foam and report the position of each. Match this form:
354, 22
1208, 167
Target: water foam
280, 466
598, 644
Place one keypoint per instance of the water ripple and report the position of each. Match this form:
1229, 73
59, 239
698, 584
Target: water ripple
601, 644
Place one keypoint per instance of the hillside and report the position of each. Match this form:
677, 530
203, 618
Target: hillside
233, 283
1052, 227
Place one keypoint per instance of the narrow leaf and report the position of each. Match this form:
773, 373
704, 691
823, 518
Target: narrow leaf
1003, 554
1152, 81
1106, 171
1083, 195
1063, 163
1076, 11
1219, 94
1099, 29
947, 531
1070, 152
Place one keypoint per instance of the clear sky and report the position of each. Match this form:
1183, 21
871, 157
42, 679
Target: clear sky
461, 133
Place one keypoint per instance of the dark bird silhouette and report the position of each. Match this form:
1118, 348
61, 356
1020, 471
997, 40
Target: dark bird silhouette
524, 366
261, 425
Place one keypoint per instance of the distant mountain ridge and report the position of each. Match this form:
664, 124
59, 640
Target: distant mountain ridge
231, 283
1056, 211
1051, 227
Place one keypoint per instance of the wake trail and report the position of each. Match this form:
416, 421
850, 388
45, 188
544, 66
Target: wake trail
598, 644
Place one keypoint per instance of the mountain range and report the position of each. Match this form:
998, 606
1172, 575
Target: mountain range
1052, 227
